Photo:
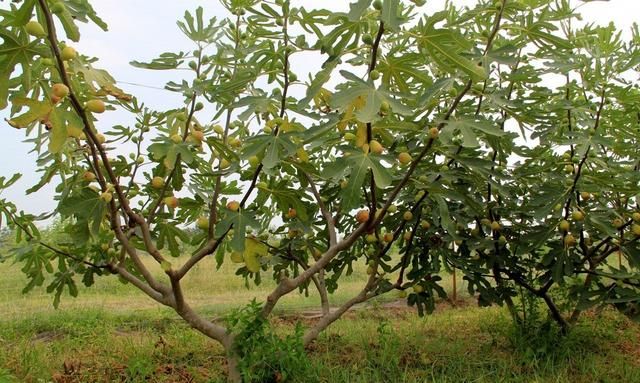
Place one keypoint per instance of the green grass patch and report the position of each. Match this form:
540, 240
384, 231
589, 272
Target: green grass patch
113, 333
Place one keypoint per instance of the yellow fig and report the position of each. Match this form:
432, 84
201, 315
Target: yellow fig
95, 106
157, 182
404, 158
171, 202
68, 53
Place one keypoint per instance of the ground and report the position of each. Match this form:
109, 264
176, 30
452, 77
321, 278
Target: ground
112, 333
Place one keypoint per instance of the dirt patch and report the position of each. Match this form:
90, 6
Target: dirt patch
397, 308
631, 348
174, 374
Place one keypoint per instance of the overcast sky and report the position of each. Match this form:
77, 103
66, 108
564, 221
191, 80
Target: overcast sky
141, 30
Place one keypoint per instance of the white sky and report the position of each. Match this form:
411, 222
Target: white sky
141, 30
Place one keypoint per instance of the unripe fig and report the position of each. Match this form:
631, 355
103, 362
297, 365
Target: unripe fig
385, 107
374, 75
89, 176
203, 223
418, 289
349, 136
95, 106
377, 5
68, 53
106, 197
57, 7
375, 147
495, 226
407, 216
176, 138
618, 223
425, 225
302, 154
101, 138
35, 29
577, 215
254, 161
564, 226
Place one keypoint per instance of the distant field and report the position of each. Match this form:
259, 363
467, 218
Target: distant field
113, 333
205, 287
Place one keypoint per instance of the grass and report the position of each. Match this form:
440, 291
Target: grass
113, 333
205, 288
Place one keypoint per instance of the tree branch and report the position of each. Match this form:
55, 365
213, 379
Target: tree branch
331, 229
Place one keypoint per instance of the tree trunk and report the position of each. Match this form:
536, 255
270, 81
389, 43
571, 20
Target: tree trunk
555, 313
233, 372
455, 287
576, 312
507, 299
